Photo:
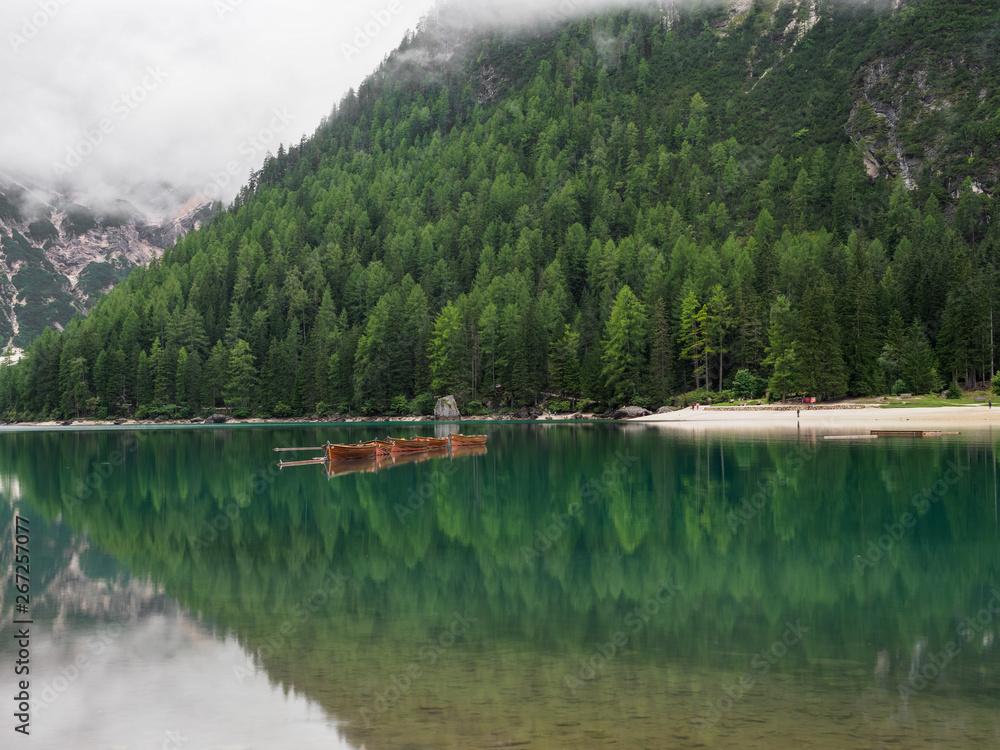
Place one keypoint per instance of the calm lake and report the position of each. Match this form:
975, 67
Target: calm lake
573, 586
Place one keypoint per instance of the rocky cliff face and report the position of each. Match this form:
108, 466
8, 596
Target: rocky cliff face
925, 110
57, 257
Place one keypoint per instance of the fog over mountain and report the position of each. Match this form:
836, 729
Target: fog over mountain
106, 95
159, 102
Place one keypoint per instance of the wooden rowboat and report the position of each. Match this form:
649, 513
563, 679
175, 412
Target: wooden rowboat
463, 440
341, 452
433, 442
412, 445
382, 448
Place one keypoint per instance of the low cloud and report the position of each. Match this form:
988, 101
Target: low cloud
158, 101
106, 95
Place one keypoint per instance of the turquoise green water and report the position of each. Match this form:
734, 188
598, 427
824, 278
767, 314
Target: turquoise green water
573, 586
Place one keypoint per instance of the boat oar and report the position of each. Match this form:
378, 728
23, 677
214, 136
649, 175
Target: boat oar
283, 464
320, 448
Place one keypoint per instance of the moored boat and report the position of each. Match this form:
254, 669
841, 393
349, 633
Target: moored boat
433, 442
342, 452
382, 448
465, 440
408, 445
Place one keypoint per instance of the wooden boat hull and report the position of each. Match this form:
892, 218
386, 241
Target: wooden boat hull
402, 445
433, 442
340, 452
382, 448
467, 440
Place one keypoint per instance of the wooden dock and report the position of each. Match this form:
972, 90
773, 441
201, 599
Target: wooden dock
891, 433
911, 433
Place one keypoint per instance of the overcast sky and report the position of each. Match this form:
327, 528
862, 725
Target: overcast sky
104, 95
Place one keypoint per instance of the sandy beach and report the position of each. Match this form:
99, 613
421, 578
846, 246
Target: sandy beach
834, 421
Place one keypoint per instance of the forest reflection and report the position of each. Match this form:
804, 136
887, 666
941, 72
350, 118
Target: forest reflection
633, 570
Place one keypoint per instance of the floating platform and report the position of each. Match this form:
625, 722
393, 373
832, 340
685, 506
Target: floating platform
891, 433
911, 433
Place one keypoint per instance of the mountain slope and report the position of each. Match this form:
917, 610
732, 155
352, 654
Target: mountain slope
57, 257
616, 208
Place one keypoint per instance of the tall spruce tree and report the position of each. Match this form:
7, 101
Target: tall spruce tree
820, 367
661, 354
625, 346
781, 348
916, 364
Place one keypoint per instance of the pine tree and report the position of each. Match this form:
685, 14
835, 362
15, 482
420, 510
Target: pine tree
181, 395
661, 356
214, 375
892, 350
781, 350
445, 351
716, 321
241, 385
859, 324
625, 345
820, 368
192, 381
916, 362
693, 339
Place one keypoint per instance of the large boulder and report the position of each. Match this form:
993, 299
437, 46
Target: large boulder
217, 418
666, 409
630, 412
446, 409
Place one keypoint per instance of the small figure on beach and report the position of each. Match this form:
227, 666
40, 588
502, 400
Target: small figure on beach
796, 413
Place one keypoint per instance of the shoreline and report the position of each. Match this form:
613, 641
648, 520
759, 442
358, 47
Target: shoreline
257, 421
840, 419
854, 418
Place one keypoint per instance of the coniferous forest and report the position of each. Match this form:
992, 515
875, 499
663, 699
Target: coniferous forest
621, 208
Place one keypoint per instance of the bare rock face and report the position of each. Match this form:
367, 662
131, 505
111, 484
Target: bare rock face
58, 256
446, 409
630, 412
